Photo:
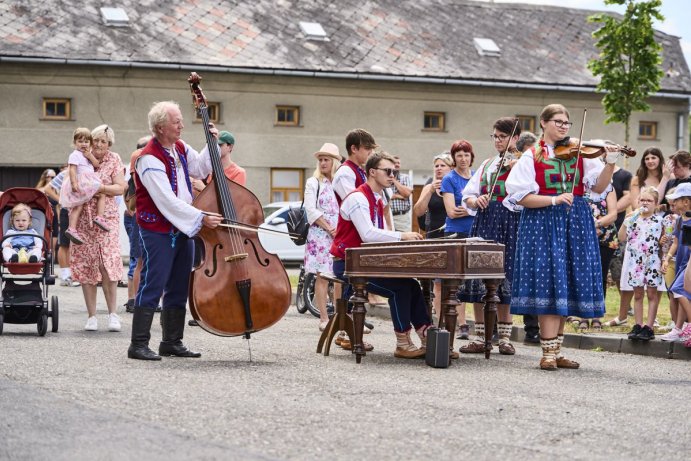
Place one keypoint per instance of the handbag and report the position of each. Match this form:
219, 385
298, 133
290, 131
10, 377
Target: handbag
297, 221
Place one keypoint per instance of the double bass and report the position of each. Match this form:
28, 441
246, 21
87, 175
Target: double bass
238, 288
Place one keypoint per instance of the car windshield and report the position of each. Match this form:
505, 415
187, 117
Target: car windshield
268, 210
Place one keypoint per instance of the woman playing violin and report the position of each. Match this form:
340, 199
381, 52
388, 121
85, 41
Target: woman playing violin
557, 263
495, 220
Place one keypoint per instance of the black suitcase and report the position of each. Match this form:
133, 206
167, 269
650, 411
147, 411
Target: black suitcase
437, 354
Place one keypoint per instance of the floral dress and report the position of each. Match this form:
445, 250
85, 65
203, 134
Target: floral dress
641, 266
99, 247
607, 235
317, 255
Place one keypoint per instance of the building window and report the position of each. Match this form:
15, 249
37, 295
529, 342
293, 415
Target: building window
214, 111
526, 122
647, 130
286, 185
434, 121
57, 109
287, 115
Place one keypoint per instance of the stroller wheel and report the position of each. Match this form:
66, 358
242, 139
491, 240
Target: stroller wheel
42, 325
54, 314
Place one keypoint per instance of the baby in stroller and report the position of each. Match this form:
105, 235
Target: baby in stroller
22, 248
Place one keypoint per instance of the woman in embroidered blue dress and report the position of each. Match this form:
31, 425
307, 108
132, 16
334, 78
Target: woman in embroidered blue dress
322, 213
495, 220
557, 263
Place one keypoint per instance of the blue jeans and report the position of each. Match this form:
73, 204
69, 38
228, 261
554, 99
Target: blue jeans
406, 302
132, 229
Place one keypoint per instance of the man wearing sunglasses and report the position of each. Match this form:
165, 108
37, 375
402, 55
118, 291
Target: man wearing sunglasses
361, 219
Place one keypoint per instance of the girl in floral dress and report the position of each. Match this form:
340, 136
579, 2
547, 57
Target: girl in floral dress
641, 267
322, 214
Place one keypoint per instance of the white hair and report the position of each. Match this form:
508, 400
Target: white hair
158, 115
104, 130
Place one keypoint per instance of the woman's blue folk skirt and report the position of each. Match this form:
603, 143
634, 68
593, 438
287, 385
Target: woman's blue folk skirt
557, 267
498, 223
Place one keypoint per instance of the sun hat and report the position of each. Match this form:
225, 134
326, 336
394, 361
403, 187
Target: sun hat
329, 150
682, 190
225, 137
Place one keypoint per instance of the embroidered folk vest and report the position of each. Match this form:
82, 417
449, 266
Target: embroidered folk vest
347, 235
148, 215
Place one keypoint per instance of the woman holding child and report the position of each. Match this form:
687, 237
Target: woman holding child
98, 258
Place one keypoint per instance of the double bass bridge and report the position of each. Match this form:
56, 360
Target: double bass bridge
237, 257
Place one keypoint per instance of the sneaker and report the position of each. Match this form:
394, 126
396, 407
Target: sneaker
463, 332
633, 334
68, 282
91, 324
646, 334
14, 258
656, 324
100, 222
672, 335
114, 322
630, 312
33, 259
74, 236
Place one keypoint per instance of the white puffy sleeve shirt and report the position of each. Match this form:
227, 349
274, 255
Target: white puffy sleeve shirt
175, 208
521, 181
312, 188
355, 208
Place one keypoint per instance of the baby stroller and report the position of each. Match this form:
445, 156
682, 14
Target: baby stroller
24, 296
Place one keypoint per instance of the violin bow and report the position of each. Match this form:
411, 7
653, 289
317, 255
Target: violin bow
578, 154
501, 162
249, 227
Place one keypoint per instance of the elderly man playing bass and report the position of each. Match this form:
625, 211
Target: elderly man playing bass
166, 221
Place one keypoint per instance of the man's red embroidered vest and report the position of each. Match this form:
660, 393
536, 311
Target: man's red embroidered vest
347, 235
148, 215
360, 177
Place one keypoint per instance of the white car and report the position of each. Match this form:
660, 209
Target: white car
275, 215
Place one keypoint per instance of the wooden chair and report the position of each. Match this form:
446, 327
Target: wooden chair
340, 321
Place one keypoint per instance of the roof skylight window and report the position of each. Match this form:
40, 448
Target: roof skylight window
313, 31
115, 17
486, 47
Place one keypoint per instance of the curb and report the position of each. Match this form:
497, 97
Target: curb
600, 342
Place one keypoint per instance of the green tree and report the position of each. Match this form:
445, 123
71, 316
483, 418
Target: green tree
629, 64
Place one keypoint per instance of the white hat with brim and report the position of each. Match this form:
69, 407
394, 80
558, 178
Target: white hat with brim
329, 150
682, 190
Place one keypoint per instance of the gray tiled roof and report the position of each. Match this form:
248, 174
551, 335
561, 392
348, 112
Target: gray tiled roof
414, 38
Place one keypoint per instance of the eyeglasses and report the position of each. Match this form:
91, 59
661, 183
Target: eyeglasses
388, 171
561, 123
501, 137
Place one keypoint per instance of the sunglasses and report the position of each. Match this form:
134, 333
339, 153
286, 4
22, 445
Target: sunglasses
388, 171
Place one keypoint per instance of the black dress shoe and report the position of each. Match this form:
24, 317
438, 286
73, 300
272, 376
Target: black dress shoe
192, 323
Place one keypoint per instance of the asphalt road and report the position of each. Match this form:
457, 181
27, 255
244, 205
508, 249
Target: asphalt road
75, 395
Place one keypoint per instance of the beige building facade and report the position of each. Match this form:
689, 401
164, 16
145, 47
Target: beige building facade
278, 158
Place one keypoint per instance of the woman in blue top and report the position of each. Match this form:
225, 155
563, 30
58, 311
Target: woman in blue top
459, 219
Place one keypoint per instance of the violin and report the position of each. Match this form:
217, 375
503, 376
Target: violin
567, 148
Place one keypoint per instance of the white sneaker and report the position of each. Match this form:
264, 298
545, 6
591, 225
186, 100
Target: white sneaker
91, 324
673, 335
114, 322
68, 282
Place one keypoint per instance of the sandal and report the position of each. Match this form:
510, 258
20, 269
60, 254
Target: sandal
596, 325
615, 322
583, 325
